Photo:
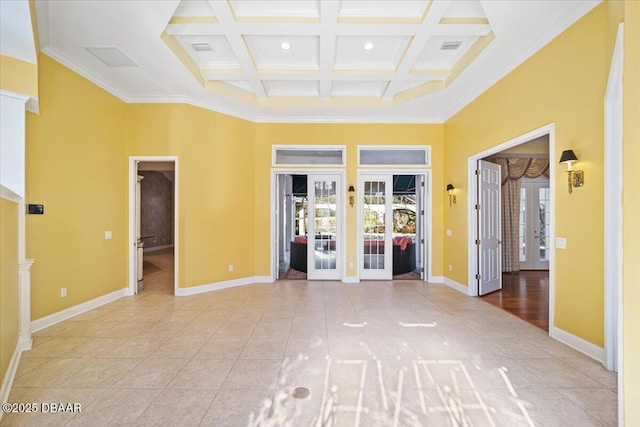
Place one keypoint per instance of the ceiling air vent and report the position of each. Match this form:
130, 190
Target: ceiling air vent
201, 47
111, 56
450, 45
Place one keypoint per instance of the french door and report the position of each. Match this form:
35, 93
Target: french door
324, 227
377, 221
535, 216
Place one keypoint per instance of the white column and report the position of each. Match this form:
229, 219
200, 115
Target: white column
24, 276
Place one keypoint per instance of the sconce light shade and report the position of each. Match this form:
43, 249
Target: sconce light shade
450, 187
351, 189
352, 199
568, 156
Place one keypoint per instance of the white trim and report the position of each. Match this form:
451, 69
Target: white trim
426, 148
131, 252
577, 343
351, 279
436, 279
216, 286
10, 375
472, 231
52, 319
157, 248
613, 203
457, 286
7, 194
341, 148
273, 246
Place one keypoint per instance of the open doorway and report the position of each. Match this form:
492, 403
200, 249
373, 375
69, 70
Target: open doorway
153, 211
309, 225
526, 222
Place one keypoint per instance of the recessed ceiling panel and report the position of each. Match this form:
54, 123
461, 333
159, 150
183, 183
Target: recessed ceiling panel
465, 9
210, 51
275, 9
359, 88
284, 52
291, 88
240, 84
369, 53
362, 9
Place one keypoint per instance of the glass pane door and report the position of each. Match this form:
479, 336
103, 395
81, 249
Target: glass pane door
535, 216
324, 227
376, 219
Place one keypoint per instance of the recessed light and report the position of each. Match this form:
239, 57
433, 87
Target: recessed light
285, 46
368, 46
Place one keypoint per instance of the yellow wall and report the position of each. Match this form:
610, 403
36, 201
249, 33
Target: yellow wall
76, 166
216, 186
564, 83
350, 135
631, 222
18, 76
9, 285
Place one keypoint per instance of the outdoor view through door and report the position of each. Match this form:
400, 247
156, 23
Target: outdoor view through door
389, 216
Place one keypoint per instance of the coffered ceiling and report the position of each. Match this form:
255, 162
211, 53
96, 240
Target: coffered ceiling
303, 60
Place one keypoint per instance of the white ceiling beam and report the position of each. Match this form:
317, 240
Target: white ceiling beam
435, 14
329, 22
285, 29
222, 11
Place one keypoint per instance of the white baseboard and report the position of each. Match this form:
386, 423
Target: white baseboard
351, 279
455, 285
70, 312
156, 248
436, 279
10, 374
222, 285
577, 343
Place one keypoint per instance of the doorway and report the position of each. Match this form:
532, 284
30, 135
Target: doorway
153, 219
308, 225
527, 272
392, 226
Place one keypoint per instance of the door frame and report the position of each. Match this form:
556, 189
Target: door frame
275, 214
427, 229
132, 249
472, 230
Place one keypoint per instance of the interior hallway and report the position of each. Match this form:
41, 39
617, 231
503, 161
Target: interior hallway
370, 354
158, 271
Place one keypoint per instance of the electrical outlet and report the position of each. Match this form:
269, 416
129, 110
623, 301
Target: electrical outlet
561, 242
63, 292
108, 235
230, 267
449, 232
450, 267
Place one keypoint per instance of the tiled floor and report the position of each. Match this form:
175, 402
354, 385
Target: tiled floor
371, 354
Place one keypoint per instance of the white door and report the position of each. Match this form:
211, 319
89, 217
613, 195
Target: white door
376, 217
323, 244
489, 232
535, 216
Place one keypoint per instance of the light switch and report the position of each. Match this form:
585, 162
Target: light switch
449, 232
561, 242
108, 235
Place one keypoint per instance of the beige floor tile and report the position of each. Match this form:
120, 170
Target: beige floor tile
102, 373
174, 407
373, 353
151, 373
202, 374
115, 407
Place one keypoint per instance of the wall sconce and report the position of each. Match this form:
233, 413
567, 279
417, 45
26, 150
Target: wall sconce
452, 197
352, 198
575, 177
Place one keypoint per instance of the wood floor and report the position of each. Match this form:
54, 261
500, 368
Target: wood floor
524, 294
158, 272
